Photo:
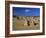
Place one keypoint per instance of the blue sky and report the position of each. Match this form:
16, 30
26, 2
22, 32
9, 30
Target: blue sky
21, 11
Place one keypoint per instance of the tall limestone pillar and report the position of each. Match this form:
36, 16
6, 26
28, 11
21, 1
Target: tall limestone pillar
25, 21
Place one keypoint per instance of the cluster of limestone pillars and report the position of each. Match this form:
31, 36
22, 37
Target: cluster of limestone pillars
28, 22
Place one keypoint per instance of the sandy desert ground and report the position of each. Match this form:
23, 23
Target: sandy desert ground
18, 24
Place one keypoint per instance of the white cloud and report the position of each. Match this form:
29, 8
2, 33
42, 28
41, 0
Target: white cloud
26, 10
